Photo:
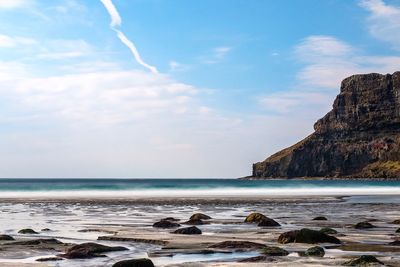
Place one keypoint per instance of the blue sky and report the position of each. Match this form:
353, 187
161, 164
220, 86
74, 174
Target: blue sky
214, 86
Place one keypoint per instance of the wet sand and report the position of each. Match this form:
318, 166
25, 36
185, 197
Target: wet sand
128, 223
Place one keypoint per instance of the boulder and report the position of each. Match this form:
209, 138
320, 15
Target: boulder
274, 251
200, 216
364, 225
268, 222
238, 245
396, 222
193, 230
27, 231
306, 236
398, 231
394, 243
328, 231
45, 230
255, 217
134, 263
196, 222
171, 219
166, 224
364, 260
315, 252
6, 238
89, 250
320, 218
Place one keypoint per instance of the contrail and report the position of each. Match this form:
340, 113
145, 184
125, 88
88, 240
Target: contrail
116, 21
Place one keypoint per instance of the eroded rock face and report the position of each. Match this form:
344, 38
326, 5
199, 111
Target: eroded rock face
360, 137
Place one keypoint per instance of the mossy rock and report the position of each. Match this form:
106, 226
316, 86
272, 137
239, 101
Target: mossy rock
27, 231
328, 231
274, 251
199, 216
364, 260
255, 217
316, 251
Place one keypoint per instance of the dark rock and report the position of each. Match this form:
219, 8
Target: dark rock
45, 230
364, 225
200, 216
364, 260
34, 242
255, 218
49, 259
396, 222
193, 230
307, 236
89, 250
134, 263
320, 218
171, 219
6, 238
268, 222
166, 224
360, 137
274, 251
328, 231
238, 245
394, 243
258, 259
27, 232
398, 231
315, 252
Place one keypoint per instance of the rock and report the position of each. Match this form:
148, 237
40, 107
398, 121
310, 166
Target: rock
171, 219
35, 242
193, 230
200, 216
328, 231
315, 252
255, 218
268, 222
258, 259
134, 263
166, 224
45, 230
27, 232
364, 225
364, 260
238, 245
398, 231
394, 243
396, 222
274, 251
49, 259
359, 137
6, 238
89, 250
306, 236
320, 218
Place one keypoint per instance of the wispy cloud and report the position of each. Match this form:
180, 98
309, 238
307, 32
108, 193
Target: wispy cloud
115, 22
217, 55
384, 21
7, 41
11, 4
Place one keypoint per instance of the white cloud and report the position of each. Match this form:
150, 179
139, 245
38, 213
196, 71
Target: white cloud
116, 21
64, 49
7, 41
328, 60
384, 21
217, 55
11, 4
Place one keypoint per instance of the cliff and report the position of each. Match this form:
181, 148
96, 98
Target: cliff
359, 137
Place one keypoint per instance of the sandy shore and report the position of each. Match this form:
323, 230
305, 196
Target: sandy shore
129, 223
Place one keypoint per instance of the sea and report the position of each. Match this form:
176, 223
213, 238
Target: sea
142, 188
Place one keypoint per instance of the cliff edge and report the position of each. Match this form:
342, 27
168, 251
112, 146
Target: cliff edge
359, 137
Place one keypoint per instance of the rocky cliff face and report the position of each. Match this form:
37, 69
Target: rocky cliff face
360, 137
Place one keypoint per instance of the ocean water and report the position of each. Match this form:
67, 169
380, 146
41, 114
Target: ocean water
142, 188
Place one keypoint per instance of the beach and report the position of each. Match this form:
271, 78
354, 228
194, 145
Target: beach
128, 222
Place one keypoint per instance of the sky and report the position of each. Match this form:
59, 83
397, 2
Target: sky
174, 88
